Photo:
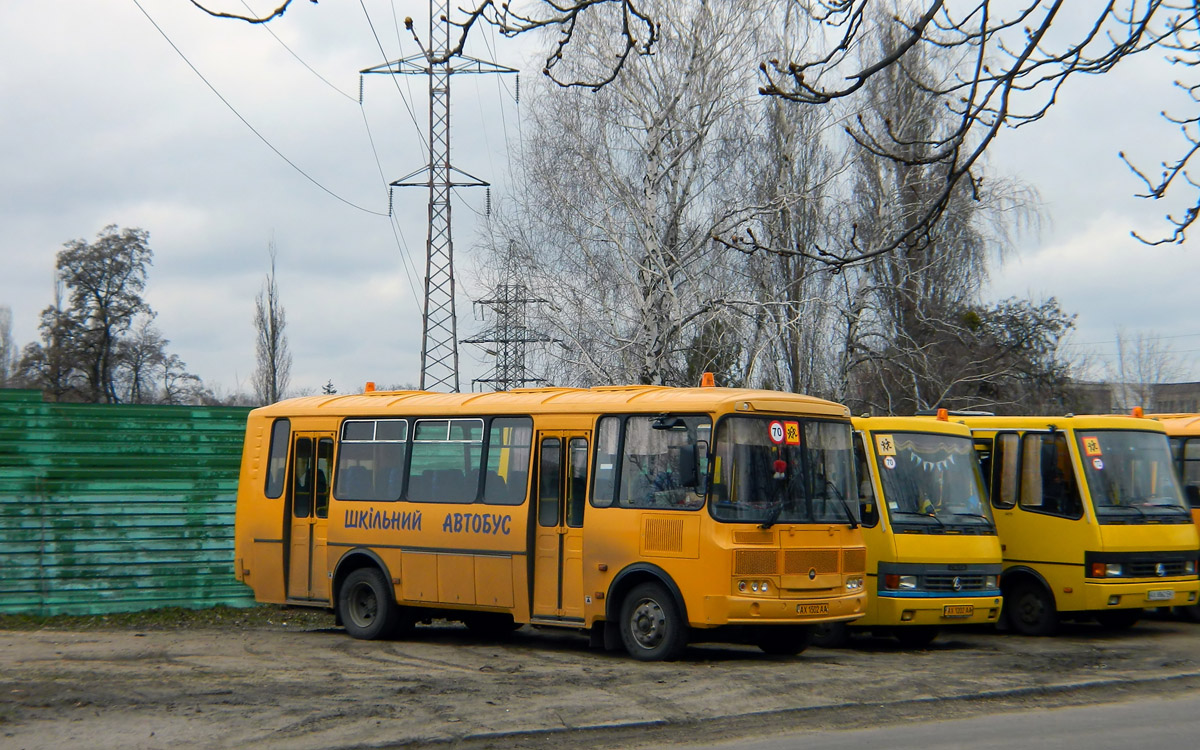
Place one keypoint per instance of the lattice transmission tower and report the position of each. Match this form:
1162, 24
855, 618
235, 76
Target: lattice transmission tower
510, 335
439, 335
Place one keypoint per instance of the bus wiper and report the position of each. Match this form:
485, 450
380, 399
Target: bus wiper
1171, 507
983, 518
1134, 508
922, 515
772, 516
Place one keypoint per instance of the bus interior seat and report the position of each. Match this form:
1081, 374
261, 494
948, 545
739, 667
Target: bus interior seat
354, 483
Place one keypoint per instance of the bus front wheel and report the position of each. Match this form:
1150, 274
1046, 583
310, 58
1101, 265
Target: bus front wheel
366, 607
1031, 610
652, 628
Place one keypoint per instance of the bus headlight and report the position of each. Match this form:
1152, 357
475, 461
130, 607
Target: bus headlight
854, 584
1106, 570
1189, 568
990, 582
897, 582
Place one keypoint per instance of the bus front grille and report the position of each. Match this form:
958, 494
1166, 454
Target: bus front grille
755, 562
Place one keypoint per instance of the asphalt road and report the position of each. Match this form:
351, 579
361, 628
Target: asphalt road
1161, 723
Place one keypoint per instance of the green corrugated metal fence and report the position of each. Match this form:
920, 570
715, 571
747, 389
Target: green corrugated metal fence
115, 508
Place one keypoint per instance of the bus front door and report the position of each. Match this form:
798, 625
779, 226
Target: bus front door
308, 507
561, 493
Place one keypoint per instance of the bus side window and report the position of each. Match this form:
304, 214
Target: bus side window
507, 479
302, 479
1047, 479
281, 433
604, 478
869, 509
324, 468
1004, 465
1191, 471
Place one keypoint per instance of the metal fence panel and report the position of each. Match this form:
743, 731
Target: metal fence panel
116, 508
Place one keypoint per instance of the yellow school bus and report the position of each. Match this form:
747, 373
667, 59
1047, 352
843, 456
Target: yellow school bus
644, 516
1183, 431
933, 557
1091, 519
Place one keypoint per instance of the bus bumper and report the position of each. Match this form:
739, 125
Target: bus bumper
745, 610
935, 610
1139, 595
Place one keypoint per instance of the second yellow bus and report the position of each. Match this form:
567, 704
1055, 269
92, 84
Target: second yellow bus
1091, 519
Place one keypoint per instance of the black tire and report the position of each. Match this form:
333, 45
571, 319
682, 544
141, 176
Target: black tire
784, 640
1118, 619
1029, 610
490, 624
915, 636
831, 635
652, 628
1191, 612
365, 605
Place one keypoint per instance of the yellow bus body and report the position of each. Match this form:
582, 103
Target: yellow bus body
1183, 430
490, 564
1067, 553
955, 563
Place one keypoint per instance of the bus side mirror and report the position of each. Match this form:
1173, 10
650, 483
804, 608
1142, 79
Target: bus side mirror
687, 469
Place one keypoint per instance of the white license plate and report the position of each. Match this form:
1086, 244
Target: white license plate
1161, 595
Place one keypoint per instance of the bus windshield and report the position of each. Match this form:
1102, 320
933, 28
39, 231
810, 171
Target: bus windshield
1130, 476
931, 482
769, 470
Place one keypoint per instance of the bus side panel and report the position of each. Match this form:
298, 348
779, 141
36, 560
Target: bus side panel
259, 535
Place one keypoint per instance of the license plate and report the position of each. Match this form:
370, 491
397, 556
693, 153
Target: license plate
958, 610
813, 609
1161, 595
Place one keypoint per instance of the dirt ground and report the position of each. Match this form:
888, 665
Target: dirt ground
284, 685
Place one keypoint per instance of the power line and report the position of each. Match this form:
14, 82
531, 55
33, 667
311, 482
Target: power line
245, 122
410, 271
403, 98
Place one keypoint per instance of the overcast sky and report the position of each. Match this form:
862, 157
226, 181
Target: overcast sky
103, 122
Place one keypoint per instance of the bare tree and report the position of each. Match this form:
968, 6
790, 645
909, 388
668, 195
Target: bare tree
623, 188
8, 352
272, 372
1012, 58
1142, 361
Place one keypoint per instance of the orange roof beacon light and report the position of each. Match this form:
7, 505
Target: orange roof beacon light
943, 415
707, 380
1138, 412
369, 387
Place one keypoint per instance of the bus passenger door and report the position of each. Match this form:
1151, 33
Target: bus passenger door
561, 498
308, 508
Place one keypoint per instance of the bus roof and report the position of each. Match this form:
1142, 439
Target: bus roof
1178, 424
626, 398
910, 424
1063, 422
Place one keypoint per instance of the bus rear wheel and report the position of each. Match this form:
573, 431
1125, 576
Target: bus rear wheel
784, 640
366, 607
652, 628
1030, 610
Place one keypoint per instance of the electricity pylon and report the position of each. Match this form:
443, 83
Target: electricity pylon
439, 342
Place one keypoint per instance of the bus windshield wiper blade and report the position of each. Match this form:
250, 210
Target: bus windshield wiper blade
772, 516
922, 515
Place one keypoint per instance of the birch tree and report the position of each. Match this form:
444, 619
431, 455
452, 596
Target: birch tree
622, 190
